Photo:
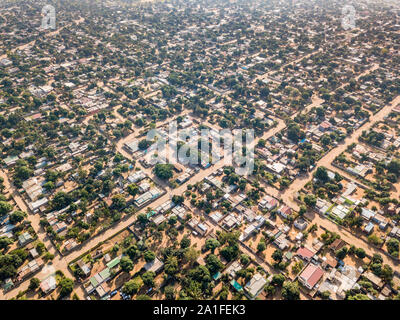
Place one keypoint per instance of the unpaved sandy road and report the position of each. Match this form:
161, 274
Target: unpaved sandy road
326, 161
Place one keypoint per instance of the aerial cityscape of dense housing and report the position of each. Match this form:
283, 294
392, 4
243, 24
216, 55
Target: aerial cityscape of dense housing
89, 209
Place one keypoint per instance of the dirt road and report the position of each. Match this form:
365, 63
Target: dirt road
58, 263
326, 160
49, 34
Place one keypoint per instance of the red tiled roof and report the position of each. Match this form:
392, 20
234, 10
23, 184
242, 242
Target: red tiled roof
312, 274
325, 124
305, 253
286, 210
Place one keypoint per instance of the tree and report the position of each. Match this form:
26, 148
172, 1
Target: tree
171, 266
126, 264
326, 140
393, 247
149, 256
261, 143
212, 244
23, 172
387, 273
118, 202
290, 291
17, 216
144, 144
374, 239
325, 295
131, 251
115, 248
185, 242
244, 259
230, 252
277, 255
394, 167
284, 183
341, 254
358, 296
320, 112
294, 132
169, 293
303, 210
191, 255
142, 218
360, 253
213, 263
49, 185
5, 208
143, 297
34, 284
178, 199
66, 286
48, 256
163, 171
172, 220
61, 200
131, 287
5, 242
297, 267
278, 280
148, 278
133, 189
310, 200
322, 174
261, 246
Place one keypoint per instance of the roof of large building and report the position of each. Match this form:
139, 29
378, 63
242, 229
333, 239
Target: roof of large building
311, 275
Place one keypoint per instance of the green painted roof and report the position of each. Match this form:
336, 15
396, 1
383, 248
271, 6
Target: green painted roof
105, 273
114, 262
289, 255
93, 281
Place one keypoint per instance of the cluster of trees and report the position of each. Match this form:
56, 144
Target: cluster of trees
329, 237
9, 263
196, 282
384, 271
164, 171
326, 186
394, 167
343, 252
372, 137
277, 256
392, 246
66, 286
5, 207
294, 132
131, 287
178, 266
234, 179
231, 249
374, 239
308, 157
22, 171
290, 290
